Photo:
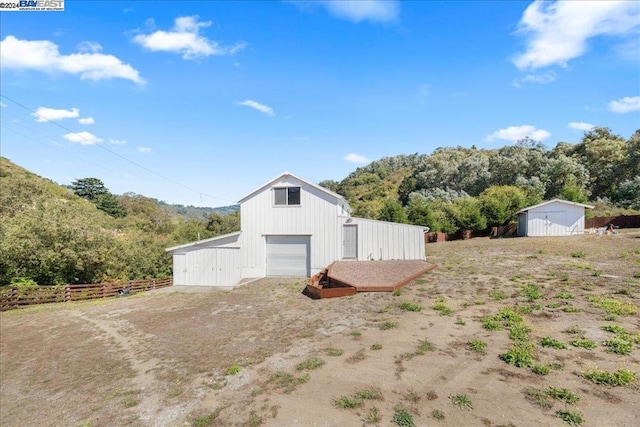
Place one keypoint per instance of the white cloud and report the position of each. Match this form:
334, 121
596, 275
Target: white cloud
544, 78
117, 141
44, 56
356, 158
82, 138
516, 133
558, 31
257, 106
581, 126
2, 104
86, 121
44, 114
91, 47
184, 38
625, 105
144, 150
363, 10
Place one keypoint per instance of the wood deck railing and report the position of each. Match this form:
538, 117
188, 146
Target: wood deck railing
12, 297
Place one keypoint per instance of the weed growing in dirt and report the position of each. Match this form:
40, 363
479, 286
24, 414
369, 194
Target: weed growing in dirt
571, 309
597, 273
331, 351
622, 333
460, 322
621, 377
476, 345
508, 317
424, 346
357, 357
613, 306
610, 318
254, 421
402, 417
539, 397
490, 324
356, 335
497, 294
462, 401
519, 332
397, 293
540, 369
369, 394
388, 325
572, 418
373, 417
287, 382
532, 292
618, 346
552, 342
310, 364
625, 291
565, 295
412, 396
376, 346
442, 309
207, 420
563, 395
437, 414
577, 254
520, 355
584, 343
408, 306
573, 330
554, 304
348, 402
233, 369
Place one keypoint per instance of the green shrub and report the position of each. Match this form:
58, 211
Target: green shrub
520, 355
402, 417
584, 343
570, 417
551, 342
564, 395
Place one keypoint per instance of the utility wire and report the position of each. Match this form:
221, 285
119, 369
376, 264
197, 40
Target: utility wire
92, 142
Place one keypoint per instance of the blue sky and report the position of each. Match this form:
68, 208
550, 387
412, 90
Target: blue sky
198, 103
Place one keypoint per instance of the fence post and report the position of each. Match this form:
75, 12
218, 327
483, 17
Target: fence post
67, 293
14, 295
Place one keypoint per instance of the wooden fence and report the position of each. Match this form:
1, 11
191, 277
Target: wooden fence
622, 221
12, 297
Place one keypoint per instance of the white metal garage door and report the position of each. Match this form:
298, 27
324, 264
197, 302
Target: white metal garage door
288, 256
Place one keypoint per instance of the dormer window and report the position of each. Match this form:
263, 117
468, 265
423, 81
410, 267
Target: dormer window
287, 196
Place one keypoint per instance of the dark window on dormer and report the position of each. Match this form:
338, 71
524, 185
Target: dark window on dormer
286, 196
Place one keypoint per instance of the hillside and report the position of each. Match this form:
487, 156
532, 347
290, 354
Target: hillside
602, 168
52, 236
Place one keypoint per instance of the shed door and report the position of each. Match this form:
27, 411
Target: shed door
350, 241
288, 256
179, 269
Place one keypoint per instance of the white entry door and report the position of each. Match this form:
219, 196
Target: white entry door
288, 256
350, 241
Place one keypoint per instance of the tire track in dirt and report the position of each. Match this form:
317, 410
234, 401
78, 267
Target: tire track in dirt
133, 348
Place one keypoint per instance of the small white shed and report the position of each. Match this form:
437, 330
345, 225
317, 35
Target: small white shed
555, 217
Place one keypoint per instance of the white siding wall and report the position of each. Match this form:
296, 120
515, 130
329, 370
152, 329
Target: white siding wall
214, 263
318, 216
379, 240
555, 219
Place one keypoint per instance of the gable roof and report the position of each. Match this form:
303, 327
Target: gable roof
203, 241
289, 174
555, 200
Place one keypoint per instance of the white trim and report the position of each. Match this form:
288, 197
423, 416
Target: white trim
424, 229
287, 174
203, 241
555, 200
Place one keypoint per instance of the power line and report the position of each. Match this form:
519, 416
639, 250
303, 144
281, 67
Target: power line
92, 142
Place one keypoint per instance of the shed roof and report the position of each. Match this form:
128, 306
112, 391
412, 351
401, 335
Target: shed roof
289, 174
555, 200
203, 241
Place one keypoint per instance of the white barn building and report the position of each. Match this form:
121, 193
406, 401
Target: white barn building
292, 227
553, 218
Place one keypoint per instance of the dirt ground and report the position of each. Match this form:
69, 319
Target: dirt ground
258, 354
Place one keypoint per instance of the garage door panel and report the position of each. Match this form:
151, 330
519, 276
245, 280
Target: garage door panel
288, 256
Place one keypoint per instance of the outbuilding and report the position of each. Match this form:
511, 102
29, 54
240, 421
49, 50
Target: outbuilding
292, 227
555, 217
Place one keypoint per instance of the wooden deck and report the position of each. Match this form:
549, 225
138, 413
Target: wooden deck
348, 277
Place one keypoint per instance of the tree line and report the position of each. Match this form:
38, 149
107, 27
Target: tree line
473, 188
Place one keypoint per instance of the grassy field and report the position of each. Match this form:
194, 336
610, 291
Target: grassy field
506, 332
